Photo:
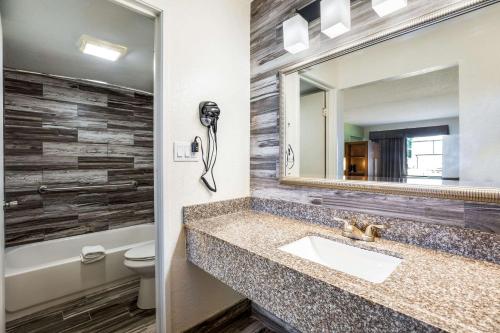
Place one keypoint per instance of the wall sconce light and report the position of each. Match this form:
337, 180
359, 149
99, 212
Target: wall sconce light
335, 17
386, 7
296, 34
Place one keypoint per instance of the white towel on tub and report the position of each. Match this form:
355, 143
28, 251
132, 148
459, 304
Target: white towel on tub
92, 254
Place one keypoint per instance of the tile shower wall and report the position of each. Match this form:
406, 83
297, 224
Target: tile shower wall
268, 57
64, 132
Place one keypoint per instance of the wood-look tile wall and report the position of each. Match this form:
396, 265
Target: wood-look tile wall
268, 57
62, 132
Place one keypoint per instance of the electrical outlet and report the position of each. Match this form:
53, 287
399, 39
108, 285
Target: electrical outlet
183, 153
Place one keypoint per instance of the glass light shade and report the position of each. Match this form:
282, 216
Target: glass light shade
386, 7
296, 34
335, 17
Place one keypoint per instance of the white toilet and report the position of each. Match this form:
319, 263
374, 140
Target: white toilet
141, 260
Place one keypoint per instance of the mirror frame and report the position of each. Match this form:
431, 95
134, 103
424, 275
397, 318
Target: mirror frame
466, 193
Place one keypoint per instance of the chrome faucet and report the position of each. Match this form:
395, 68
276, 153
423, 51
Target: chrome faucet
353, 232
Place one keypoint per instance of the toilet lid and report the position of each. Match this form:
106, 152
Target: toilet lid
143, 252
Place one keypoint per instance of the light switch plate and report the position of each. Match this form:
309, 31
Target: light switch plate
183, 153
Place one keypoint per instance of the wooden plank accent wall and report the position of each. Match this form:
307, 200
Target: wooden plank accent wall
268, 57
62, 132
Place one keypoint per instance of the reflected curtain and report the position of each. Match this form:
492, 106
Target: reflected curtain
393, 157
393, 163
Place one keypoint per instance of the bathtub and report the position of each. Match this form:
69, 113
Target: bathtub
44, 274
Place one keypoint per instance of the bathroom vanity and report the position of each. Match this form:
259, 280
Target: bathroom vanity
378, 126
428, 291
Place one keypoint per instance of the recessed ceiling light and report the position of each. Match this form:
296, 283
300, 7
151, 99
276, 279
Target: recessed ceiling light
101, 48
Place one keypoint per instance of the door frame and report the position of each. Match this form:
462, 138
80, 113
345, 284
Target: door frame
147, 9
332, 125
2, 194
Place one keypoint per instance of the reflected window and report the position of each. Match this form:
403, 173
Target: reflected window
425, 156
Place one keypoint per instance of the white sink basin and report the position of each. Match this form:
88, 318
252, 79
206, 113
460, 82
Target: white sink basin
368, 265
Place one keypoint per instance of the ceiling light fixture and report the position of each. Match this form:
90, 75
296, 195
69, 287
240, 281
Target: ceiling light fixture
296, 34
386, 7
335, 17
101, 48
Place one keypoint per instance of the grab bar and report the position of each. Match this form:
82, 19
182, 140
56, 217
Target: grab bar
43, 189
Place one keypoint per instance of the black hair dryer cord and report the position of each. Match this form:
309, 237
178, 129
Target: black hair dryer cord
209, 115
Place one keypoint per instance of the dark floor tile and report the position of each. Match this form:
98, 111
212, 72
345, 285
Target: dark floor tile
245, 325
113, 310
50, 324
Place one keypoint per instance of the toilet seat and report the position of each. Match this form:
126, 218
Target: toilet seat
144, 252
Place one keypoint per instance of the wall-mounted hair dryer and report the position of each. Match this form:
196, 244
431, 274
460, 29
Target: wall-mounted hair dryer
209, 115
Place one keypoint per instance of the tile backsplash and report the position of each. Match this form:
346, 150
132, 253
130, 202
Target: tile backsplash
446, 238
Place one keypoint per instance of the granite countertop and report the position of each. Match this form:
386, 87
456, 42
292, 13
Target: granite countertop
446, 291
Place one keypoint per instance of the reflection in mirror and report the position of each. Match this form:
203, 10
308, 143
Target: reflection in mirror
403, 127
406, 110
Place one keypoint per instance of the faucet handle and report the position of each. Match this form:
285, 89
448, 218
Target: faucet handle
347, 224
369, 232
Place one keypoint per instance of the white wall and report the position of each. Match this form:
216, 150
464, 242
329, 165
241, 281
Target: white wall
313, 135
451, 156
207, 57
470, 42
416, 109
432, 95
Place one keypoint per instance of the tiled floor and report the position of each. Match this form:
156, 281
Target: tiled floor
240, 318
247, 324
148, 329
113, 310
243, 317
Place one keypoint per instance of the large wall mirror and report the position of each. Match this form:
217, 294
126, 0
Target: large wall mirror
420, 111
